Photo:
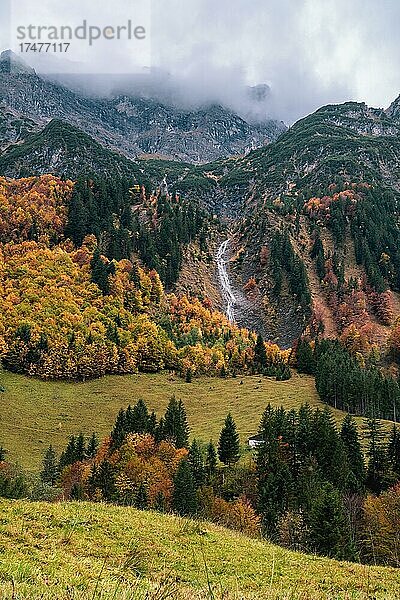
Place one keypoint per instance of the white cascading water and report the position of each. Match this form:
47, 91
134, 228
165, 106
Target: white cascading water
227, 292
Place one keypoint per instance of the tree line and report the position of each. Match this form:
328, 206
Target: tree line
345, 383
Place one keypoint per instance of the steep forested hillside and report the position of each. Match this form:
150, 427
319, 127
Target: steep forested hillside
69, 311
320, 227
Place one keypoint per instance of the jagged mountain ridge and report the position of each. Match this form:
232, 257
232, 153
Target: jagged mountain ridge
132, 125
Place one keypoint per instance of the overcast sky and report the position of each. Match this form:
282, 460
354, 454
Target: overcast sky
310, 52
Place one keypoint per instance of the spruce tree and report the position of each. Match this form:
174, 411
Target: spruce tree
184, 500
103, 478
80, 448
305, 361
229, 444
100, 272
142, 498
139, 420
152, 423
68, 457
393, 452
196, 462
355, 458
159, 431
160, 503
211, 462
176, 427
377, 459
329, 530
260, 355
120, 430
49, 473
92, 446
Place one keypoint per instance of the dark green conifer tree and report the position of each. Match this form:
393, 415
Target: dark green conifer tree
142, 497
68, 457
49, 473
305, 357
152, 423
211, 462
196, 462
229, 443
120, 430
80, 448
100, 272
377, 458
160, 503
260, 355
185, 500
355, 457
394, 452
329, 529
92, 446
176, 427
139, 419
103, 478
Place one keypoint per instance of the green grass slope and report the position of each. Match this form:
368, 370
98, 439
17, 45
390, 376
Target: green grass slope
35, 413
91, 551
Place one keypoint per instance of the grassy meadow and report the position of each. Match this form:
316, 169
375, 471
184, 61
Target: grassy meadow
35, 413
85, 551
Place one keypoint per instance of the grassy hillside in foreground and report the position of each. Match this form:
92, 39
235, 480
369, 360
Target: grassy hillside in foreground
92, 551
35, 413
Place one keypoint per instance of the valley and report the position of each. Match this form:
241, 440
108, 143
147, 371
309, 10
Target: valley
173, 280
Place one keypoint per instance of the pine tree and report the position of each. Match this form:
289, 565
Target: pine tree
185, 500
100, 272
377, 463
80, 448
159, 431
120, 430
152, 423
196, 462
2, 454
68, 457
77, 491
229, 444
305, 357
211, 462
393, 451
160, 503
176, 426
49, 473
355, 458
142, 498
103, 478
92, 446
139, 420
260, 355
329, 530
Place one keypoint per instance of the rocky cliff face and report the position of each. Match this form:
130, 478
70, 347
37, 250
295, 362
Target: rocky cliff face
132, 125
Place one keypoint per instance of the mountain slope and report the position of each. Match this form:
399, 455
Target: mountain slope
332, 183
63, 150
134, 125
88, 549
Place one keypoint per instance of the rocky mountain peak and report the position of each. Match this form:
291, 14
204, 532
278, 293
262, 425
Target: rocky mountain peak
12, 63
394, 109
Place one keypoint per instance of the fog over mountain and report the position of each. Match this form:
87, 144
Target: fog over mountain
309, 53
